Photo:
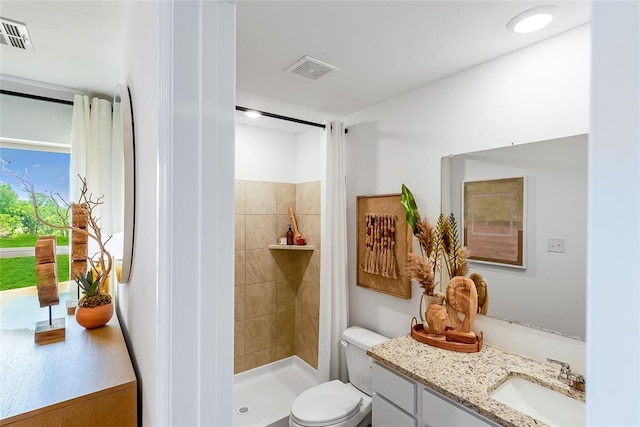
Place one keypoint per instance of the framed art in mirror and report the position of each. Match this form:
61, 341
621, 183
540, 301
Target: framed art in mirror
494, 220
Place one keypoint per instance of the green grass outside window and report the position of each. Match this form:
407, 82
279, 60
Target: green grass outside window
21, 272
28, 241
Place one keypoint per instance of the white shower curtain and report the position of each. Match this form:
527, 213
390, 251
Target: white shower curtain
94, 157
334, 290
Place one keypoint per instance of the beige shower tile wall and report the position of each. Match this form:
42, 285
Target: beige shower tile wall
277, 292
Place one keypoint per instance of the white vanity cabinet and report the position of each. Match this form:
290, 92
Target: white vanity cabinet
402, 402
438, 411
394, 399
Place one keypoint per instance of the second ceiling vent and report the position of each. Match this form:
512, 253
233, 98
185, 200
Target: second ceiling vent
14, 34
310, 68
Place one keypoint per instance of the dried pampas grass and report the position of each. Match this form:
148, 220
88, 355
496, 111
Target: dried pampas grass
416, 268
426, 236
460, 264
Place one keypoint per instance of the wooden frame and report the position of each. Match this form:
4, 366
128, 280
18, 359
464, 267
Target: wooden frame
494, 220
388, 204
123, 98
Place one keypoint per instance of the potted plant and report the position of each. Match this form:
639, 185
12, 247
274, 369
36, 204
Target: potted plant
95, 308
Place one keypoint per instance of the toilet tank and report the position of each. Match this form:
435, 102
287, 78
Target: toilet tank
357, 341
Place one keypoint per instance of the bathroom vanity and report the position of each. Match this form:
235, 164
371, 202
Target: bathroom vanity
418, 385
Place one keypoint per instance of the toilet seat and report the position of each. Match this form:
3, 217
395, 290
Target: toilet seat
328, 403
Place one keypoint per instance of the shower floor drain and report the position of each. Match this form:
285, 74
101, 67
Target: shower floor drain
243, 410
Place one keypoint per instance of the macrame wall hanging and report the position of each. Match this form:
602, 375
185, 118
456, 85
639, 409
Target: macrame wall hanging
383, 240
380, 254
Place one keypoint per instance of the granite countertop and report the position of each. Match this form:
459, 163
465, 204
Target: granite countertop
469, 378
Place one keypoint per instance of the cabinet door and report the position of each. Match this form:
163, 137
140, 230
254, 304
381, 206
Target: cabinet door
395, 388
385, 414
438, 411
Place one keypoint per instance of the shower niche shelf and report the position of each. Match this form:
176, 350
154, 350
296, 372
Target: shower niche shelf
293, 247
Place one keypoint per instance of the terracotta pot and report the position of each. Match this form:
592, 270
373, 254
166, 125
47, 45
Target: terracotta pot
94, 317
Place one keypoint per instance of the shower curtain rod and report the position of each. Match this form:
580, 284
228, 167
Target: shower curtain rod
289, 119
278, 116
38, 97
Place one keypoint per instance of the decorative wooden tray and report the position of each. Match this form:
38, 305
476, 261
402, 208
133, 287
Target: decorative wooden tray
418, 333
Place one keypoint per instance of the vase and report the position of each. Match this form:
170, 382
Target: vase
426, 300
433, 299
94, 317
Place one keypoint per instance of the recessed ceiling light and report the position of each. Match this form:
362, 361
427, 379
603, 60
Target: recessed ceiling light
533, 19
253, 114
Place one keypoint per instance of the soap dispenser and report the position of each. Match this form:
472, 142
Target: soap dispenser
289, 236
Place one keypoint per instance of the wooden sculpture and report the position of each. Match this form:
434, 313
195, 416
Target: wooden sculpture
462, 303
437, 319
79, 247
460, 311
52, 330
298, 239
46, 271
483, 292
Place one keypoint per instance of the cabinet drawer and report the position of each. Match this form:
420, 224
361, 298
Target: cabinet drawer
394, 388
438, 411
384, 414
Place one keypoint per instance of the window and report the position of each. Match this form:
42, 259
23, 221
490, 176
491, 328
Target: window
19, 228
28, 130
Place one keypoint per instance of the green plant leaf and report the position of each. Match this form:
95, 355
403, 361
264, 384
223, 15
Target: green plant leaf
88, 285
411, 210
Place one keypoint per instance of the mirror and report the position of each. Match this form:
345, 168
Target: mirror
550, 293
123, 132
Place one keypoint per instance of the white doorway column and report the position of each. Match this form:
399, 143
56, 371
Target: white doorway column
195, 213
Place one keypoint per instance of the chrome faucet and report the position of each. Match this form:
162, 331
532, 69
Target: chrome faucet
576, 381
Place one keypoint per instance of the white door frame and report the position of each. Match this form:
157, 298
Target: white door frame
195, 212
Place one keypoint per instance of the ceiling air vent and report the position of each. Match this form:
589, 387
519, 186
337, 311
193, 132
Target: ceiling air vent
14, 34
310, 68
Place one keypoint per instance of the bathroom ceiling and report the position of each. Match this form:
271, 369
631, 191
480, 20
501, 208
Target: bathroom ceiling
383, 48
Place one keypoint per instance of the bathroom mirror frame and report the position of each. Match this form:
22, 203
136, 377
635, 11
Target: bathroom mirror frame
123, 97
556, 170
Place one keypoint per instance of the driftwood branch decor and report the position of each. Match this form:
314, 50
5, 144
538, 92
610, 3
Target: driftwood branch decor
384, 242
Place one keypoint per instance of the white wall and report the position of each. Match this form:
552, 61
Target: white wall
265, 154
137, 299
276, 156
537, 93
35, 120
613, 326
309, 155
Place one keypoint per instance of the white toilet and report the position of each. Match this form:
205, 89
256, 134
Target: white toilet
335, 403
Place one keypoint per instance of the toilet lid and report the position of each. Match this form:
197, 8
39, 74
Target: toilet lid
328, 403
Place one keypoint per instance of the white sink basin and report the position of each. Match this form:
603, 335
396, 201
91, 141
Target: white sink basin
541, 403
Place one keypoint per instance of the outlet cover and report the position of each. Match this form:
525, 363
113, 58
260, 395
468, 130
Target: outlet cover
555, 245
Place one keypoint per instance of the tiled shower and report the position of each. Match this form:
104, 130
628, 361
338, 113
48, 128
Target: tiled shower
277, 292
